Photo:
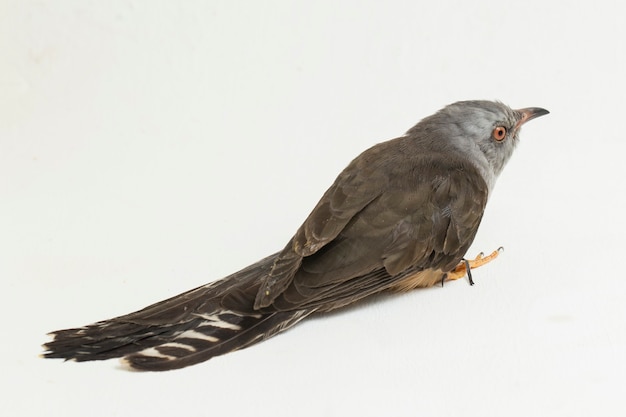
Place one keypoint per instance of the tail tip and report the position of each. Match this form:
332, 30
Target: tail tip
125, 364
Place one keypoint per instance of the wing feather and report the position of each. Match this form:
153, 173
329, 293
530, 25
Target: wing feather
373, 225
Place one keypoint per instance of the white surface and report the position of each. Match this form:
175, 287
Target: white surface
148, 147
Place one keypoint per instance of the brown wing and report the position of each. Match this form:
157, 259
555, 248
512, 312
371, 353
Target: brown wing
390, 212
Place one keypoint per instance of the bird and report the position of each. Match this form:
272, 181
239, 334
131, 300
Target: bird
400, 216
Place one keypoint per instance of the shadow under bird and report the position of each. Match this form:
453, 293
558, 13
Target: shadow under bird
400, 216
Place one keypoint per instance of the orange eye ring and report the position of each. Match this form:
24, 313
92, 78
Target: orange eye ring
499, 133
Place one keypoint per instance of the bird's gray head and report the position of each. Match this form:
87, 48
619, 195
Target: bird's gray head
485, 131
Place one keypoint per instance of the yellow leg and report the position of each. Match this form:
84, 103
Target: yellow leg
480, 260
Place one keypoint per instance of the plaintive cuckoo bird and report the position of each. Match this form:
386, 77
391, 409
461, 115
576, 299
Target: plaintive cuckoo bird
400, 216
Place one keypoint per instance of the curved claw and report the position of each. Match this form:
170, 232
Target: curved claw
465, 266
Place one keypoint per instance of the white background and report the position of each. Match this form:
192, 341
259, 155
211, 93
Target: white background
147, 147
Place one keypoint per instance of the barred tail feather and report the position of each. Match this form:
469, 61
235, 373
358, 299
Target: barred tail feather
196, 345
184, 330
165, 347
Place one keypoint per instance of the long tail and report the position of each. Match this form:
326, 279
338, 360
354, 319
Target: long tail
184, 330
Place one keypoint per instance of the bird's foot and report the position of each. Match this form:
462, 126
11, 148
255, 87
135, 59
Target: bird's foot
465, 266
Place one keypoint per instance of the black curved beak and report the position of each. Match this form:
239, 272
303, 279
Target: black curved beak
530, 113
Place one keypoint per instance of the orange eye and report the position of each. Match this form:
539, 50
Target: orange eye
499, 133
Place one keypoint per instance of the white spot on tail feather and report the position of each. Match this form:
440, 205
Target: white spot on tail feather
178, 345
193, 334
234, 313
154, 353
221, 324
215, 321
